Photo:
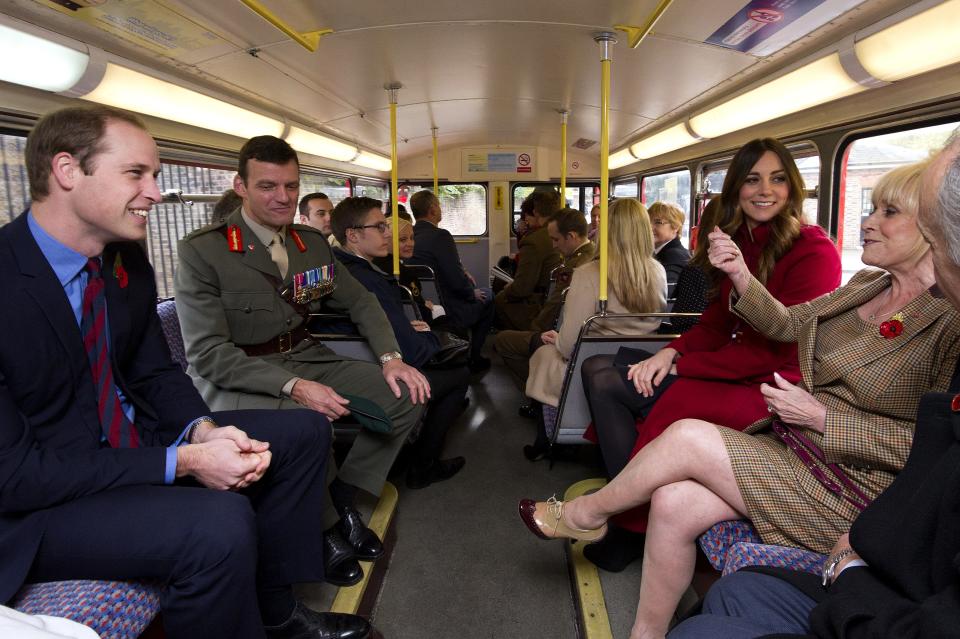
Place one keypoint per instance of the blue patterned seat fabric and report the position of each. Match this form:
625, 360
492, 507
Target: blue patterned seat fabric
113, 609
732, 545
167, 310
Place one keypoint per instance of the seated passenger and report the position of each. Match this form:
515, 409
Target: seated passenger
111, 465
667, 221
568, 233
245, 287
637, 284
594, 223
831, 444
693, 286
315, 209
895, 574
521, 300
364, 233
721, 361
467, 305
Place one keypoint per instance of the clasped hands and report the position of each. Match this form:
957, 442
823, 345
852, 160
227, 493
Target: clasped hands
223, 458
794, 405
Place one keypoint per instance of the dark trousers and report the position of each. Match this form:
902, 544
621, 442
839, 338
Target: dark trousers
748, 604
615, 405
474, 315
211, 549
448, 387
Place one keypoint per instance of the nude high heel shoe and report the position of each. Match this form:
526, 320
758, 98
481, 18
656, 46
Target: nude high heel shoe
545, 520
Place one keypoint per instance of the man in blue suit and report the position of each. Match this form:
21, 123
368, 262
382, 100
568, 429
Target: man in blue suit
468, 306
111, 465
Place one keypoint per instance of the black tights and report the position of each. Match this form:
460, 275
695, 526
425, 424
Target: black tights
615, 406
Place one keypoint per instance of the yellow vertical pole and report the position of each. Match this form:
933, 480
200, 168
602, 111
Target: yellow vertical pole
606, 40
436, 164
392, 89
563, 156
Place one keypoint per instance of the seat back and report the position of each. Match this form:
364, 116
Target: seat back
573, 412
428, 282
354, 345
170, 323
410, 308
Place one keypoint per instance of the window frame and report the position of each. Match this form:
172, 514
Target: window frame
570, 184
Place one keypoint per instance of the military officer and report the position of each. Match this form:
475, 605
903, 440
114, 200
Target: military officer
567, 230
244, 287
521, 300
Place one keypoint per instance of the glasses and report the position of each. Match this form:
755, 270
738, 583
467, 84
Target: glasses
659, 222
380, 226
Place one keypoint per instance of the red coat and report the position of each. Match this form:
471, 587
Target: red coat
723, 360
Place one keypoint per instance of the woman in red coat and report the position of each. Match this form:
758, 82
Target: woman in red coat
714, 371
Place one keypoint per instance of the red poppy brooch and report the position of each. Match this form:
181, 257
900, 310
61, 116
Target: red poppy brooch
893, 327
119, 272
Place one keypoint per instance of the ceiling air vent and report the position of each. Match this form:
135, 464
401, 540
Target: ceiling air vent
584, 143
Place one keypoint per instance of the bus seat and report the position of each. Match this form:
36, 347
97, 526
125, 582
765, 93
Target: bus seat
167, 310
732, 545
354, 345
428, 282
567, 423
113, 609
410, 308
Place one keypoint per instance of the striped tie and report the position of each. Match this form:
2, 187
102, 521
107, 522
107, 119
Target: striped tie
117, 429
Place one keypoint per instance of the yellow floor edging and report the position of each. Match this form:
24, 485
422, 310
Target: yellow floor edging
593, 609
348, 598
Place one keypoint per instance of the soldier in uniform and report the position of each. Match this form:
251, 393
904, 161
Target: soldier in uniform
568, 233
244, 287
521, 300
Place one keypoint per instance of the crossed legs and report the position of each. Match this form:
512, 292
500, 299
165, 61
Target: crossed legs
686, 476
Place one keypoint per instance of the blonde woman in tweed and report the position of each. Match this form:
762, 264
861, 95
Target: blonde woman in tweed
857, 402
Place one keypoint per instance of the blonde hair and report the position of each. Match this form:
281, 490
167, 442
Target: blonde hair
669, 212
900, 187
631, 267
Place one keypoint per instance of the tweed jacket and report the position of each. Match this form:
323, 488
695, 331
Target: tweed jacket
224, 300
873, 385
547, 318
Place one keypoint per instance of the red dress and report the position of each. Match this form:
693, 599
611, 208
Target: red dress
723, 360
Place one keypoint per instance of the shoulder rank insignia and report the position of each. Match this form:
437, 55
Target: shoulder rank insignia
311, 285
235, 239
299, 242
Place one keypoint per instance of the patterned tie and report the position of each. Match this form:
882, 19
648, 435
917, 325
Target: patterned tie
117, 429
278, 253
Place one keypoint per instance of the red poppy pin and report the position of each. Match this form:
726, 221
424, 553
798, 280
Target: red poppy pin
119, 272
893, 327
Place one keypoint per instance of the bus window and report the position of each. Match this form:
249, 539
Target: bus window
464, 206
627, 188
376, 190
582, 197
168, 223
863, 161
336, 188
672, 187
14, 187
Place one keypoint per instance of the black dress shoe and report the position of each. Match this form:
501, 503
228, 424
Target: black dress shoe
366, 544
308, 624
536, 452
341, 567
617, 550
439, 470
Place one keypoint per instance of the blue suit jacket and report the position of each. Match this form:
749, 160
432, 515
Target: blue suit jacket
434, 247
417, 347
50, 436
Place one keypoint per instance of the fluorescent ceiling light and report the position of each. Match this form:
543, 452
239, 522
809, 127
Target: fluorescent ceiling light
303, 140
373, 161
676, 137
39, 63
128, 89
620, 158
926, 41
816, 83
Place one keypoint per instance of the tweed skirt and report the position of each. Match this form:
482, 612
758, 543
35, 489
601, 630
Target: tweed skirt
787, 504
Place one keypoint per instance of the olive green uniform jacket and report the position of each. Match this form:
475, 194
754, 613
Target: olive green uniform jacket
520, 302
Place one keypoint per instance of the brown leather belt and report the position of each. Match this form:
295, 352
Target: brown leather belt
283, 343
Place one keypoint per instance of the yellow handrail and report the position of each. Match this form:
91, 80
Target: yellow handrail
392, 89
309, 40
563, 156
436, 165
606, 40
635, 35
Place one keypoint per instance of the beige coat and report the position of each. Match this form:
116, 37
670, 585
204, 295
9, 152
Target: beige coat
549, 363
871, 388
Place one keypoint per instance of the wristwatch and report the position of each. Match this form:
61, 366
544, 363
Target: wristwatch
830, 567
386, 357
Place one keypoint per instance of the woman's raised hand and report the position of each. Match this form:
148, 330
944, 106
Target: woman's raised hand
725, 255
648, 374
